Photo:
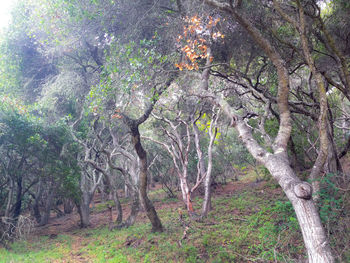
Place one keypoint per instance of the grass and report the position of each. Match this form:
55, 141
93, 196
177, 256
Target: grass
248, 226
41, 249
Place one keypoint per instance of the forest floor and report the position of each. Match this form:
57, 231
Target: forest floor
250, 222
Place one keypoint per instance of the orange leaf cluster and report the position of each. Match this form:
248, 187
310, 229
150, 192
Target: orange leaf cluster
116, 116
194, 40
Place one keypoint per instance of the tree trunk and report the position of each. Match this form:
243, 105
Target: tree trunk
126, 191
135, 208
332, 164
18, 204
9, 197
207, 181
117, 205
186, 194
84, 209
146, 203
300, 195
67, 206
207, 196
298, 192
36, 208
46, 215
84, 213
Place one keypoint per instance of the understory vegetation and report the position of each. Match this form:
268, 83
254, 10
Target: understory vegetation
252, 222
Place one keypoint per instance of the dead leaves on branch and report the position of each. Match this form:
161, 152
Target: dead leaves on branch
198, 33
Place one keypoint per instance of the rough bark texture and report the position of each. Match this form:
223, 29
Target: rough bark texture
300, 195
298, 192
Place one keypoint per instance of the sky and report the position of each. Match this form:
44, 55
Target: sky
5, 12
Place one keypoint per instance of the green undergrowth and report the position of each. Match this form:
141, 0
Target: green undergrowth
254, 225
43, 249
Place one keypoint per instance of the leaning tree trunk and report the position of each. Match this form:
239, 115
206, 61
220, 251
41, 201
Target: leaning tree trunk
298, 192
300, 195
146, 203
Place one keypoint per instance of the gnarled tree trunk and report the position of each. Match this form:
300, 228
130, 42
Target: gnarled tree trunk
146, 203
300, 195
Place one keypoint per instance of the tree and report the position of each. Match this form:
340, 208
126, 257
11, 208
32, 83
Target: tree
179, 131
298, 192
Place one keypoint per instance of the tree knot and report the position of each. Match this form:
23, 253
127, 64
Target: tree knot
303, 190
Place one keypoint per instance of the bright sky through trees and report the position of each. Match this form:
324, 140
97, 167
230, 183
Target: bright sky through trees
5, 12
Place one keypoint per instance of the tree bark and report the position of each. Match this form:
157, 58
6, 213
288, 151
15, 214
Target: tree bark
18, 204
207, 181
300, 195
46, 215
67, 206
9, 197
126, 191
112, 186
84, 210
186, 194
36, 208
135, 208
146, 203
